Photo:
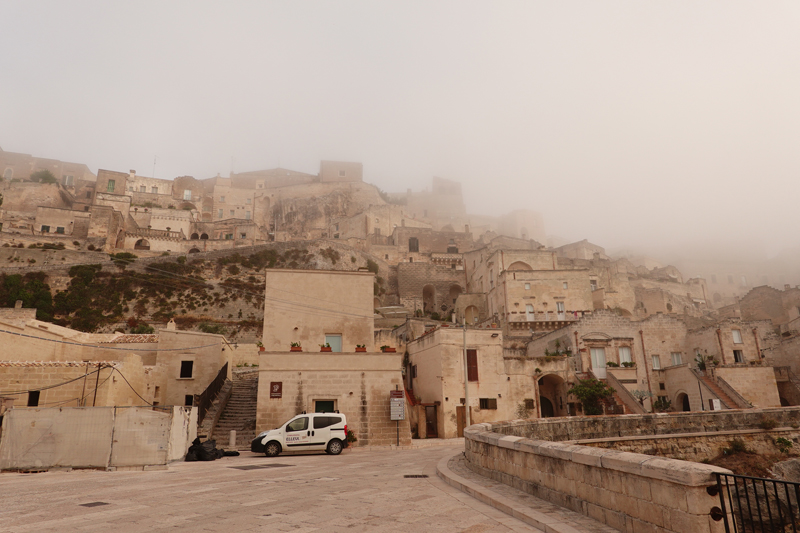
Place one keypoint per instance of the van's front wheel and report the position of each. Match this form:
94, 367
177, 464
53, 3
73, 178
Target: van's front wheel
272, 449
335, 447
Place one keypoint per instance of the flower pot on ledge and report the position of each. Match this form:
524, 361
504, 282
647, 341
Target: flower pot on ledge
296, 349
261, 348
389, 350
361, 350
324, 349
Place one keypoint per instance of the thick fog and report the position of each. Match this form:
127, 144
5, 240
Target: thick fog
627, 123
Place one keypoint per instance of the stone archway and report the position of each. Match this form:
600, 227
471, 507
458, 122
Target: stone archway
547, 408
471, 314
553, 391
203, 236
194, 251
194, 236
682, 402
142, 244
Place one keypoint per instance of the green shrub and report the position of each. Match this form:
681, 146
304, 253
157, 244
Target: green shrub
590, 392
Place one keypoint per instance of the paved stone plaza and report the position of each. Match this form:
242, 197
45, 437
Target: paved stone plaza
360, 490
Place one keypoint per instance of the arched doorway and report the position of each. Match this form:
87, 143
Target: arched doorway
194, 251
455, 291
428, 299
142, 244
204, 236
547, 408
194, 236
553, 392
682, 402
471, 314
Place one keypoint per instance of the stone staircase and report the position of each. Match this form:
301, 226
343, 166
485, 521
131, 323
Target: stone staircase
240, 412
726, 400
611, 406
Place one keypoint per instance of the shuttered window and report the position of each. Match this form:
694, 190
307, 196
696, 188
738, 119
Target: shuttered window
472, 365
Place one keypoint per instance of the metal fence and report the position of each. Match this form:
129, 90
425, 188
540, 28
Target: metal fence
757, 505
204, 400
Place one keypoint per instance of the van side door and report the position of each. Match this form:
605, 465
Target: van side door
297, 434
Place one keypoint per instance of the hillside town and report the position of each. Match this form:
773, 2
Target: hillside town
258, 296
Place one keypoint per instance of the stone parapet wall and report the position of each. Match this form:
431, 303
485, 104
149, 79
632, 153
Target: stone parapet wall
627, 491
599, 427
696, 446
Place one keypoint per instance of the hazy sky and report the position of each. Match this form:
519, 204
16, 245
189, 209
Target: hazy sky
623, 122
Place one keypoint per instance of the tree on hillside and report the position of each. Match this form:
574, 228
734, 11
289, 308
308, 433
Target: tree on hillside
43, 176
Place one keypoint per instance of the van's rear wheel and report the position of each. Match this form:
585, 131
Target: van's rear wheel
272, 449
335, 447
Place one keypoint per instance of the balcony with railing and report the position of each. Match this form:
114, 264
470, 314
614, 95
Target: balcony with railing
544, 321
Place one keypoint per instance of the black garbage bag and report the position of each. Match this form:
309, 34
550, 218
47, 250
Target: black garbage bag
233, 453
207, 451
191, 455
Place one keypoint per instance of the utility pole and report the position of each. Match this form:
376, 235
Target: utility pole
96, 384
466, 378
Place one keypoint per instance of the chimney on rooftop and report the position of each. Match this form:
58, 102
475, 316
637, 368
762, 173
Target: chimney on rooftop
132, 173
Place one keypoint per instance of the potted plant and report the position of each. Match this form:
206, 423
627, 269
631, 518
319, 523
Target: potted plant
325, 347
260, 346
388, 349
629, 364
296, 347
361, 347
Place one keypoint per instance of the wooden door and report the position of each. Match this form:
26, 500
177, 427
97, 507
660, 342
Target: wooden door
431, 427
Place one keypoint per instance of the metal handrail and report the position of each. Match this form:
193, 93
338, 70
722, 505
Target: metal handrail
204, 400
756, 504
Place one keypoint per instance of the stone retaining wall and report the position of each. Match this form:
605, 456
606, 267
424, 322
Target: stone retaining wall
627, 491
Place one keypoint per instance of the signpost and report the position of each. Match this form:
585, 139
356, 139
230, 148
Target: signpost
276, 389
397, 409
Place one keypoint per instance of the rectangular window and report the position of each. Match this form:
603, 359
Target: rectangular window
342, 173
656, 362
247, 215
565, 285
110, 186
233, 213
472, 365
222, 199
676, 358
527, 286
413, 371
625, 354
45, 229
188, 400
737, 336
530, 316
593, 284
142, 188
662, 386
335, 340
229, 236
186, 369
88, 194
33, 398
60, 230
488, 403
530, 404
738, 356
154, 190
243, 235
249, 201
662, 399
187, 194
560, 307
68, 181
220, 213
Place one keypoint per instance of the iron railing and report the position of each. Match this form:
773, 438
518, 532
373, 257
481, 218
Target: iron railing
204, 400
757, 505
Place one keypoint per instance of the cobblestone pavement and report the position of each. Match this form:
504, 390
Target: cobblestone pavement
360, 491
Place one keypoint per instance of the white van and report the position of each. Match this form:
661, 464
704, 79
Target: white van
305, 432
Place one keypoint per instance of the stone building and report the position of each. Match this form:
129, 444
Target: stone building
330, 315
